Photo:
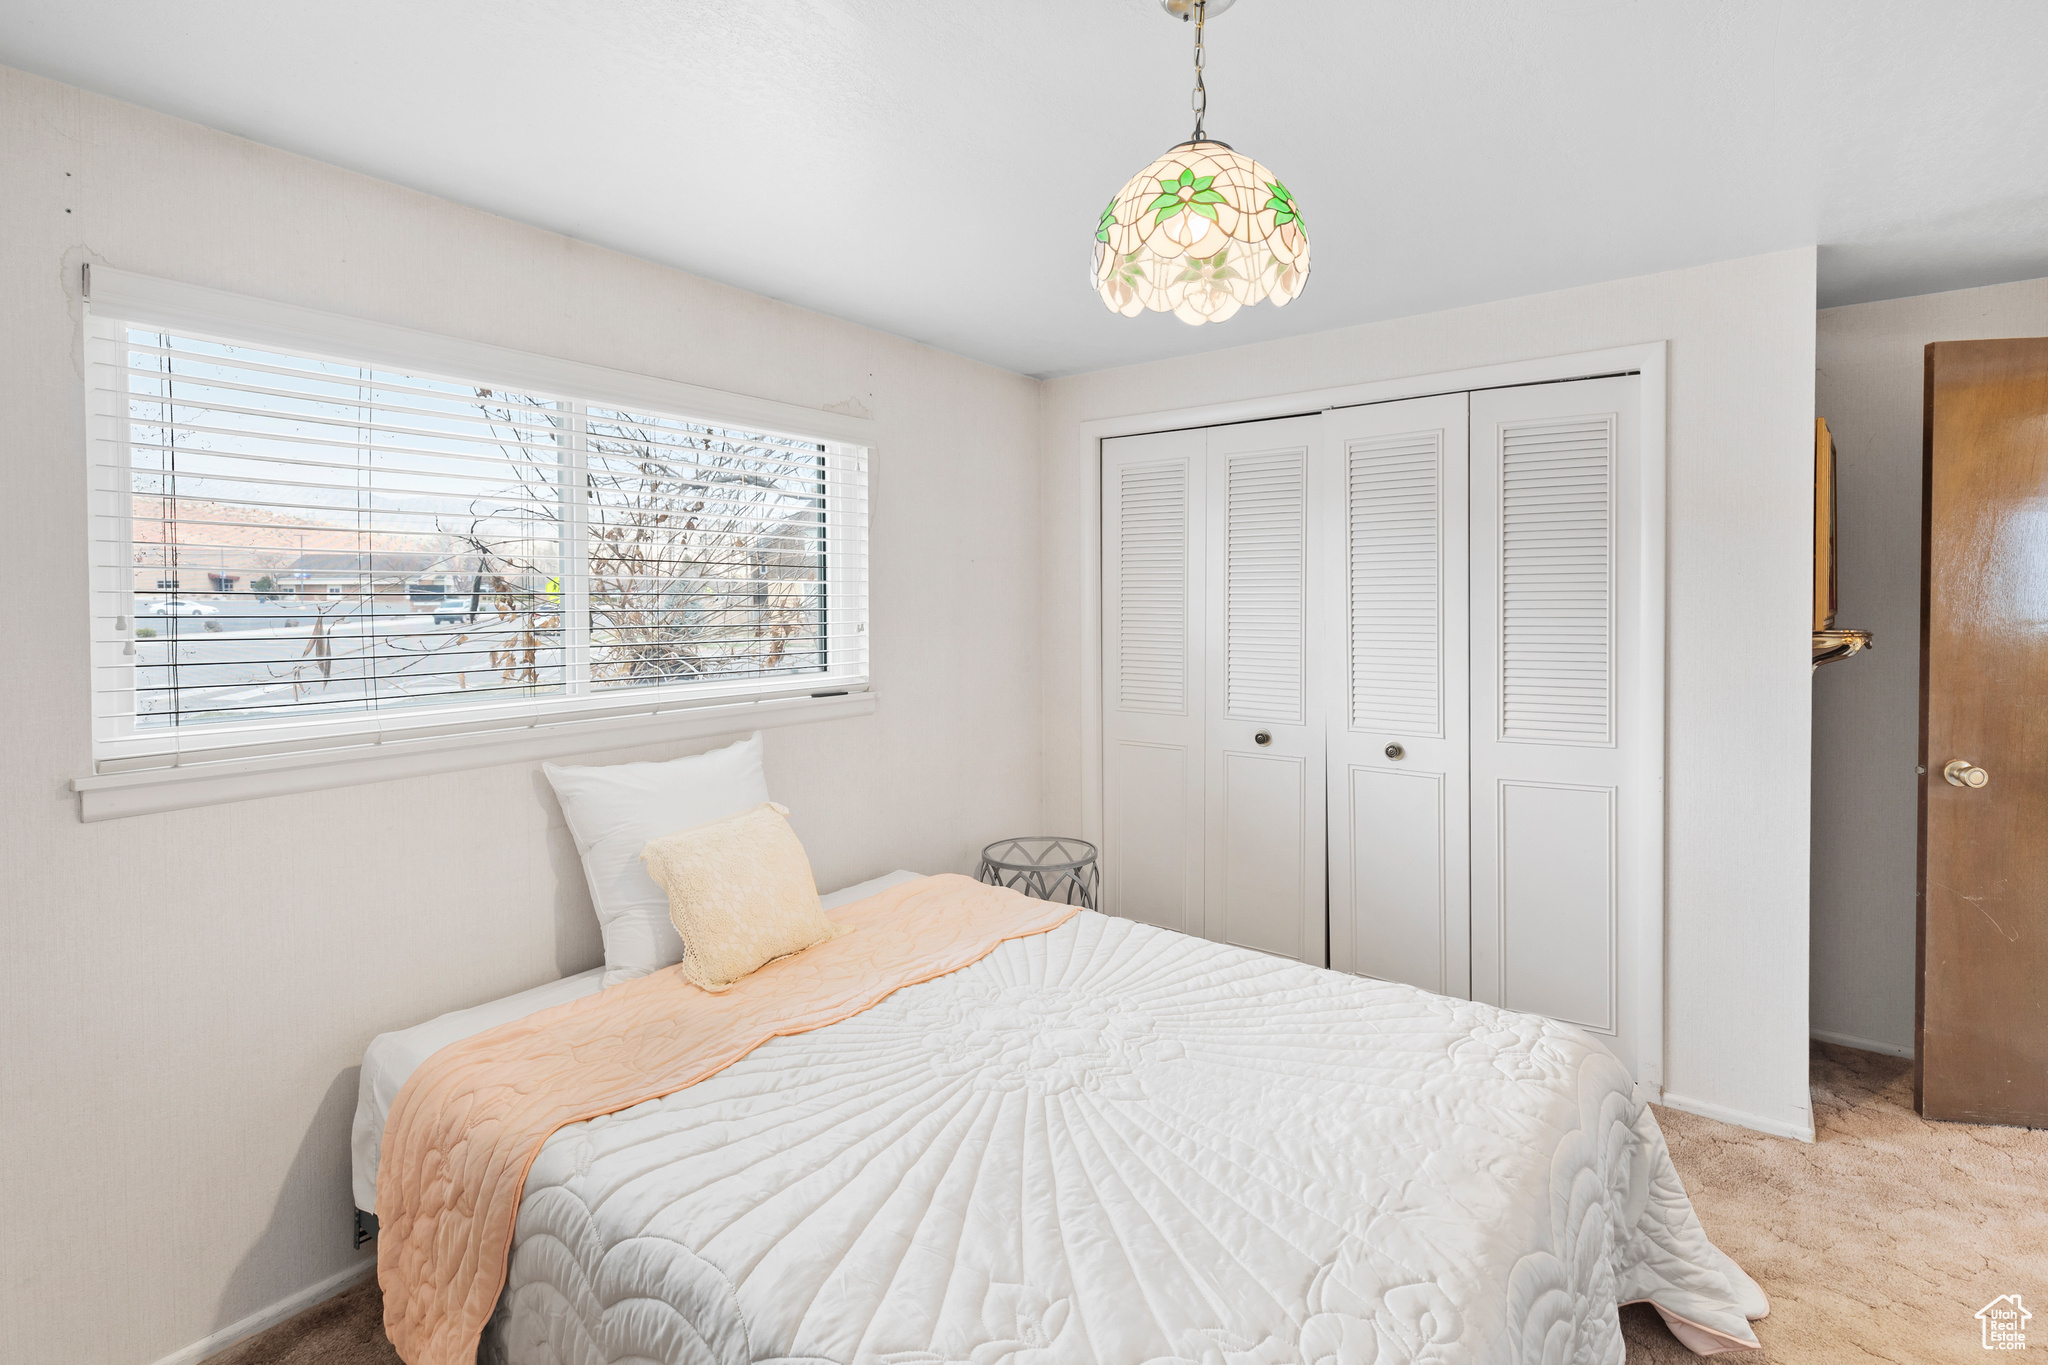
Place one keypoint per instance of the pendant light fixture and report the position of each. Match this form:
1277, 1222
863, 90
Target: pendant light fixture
1202, 231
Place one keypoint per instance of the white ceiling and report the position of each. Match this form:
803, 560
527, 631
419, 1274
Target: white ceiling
934, 168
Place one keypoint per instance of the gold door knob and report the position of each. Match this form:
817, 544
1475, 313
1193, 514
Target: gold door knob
1960, 772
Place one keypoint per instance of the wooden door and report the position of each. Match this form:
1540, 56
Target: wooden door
1153, 686
1560, 809
1983, 999
1265, 720
1395, 519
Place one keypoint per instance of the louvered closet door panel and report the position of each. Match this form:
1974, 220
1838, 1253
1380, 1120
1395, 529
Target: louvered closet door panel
1557, 580
1154, 685
1394, 514
1265, 800
1555, 814
1152, 589
1265, 584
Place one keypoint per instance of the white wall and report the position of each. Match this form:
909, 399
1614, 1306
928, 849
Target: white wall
184, 997
1866, 722
1740, 468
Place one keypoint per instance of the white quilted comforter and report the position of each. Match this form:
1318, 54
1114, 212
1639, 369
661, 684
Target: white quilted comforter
1114, 1145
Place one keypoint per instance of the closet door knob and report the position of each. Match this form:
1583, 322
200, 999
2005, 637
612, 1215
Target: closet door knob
1263, 737
1396, 751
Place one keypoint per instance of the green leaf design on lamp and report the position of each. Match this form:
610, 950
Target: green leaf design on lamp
1282, 203
1208, 268
1187, 192
1108, 220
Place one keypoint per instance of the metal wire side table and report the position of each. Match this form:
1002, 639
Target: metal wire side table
1048, 868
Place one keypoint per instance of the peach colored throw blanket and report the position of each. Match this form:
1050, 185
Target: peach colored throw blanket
470, 1121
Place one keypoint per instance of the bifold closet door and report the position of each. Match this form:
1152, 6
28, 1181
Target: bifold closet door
1154, 585
1212, 714
1557, 813
1265, 709
1394, 515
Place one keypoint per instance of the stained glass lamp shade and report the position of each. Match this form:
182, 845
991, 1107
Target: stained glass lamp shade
1200, 233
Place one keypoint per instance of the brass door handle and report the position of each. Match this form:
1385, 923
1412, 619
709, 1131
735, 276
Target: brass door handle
1263, 737
1960, 772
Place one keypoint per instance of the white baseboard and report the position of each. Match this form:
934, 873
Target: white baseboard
1862, 1044
269, 1317
1723, 1114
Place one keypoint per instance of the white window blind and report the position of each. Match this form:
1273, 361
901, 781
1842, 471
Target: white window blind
298, 550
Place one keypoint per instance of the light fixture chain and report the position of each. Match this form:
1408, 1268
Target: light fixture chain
1200, 99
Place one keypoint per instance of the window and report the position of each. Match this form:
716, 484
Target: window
298, 548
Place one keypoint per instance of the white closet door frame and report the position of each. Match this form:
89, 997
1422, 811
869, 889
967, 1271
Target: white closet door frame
1650, 360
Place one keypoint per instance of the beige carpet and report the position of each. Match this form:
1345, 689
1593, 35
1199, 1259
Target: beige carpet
346, 1330
1879, 1242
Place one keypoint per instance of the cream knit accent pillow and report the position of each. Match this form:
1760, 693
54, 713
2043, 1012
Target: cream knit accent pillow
740, 893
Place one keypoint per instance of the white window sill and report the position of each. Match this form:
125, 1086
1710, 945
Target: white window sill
111, 796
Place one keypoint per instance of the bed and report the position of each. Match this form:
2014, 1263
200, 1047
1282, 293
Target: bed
392, 1057
1105, 1142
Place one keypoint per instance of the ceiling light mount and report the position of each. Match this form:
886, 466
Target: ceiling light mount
1203, 230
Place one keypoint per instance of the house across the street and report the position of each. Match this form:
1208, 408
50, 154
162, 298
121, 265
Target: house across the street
326, 575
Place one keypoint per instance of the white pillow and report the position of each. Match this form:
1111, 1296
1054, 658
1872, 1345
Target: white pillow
614, 811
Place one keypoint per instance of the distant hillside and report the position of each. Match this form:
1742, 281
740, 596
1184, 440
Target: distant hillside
230, 537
